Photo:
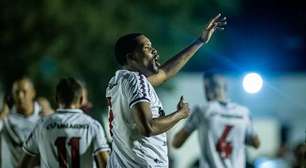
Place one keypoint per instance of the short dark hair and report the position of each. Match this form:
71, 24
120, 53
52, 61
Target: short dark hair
124, 45
26, 79
212, 84
210, 77
68, 91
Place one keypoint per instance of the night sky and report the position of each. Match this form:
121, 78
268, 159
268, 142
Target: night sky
265, 36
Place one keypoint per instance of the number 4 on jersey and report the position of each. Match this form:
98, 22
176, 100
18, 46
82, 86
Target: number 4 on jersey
224, 148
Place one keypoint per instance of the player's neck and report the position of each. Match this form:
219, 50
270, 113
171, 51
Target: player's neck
220, 98
26, 110
137, 69
70, 106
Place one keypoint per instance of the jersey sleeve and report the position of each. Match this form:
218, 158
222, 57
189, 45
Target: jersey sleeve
100, 143
194, 120
30, 146
136, 89
250, 131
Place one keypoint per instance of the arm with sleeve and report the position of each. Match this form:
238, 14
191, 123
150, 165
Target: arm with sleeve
136, 89
100, 143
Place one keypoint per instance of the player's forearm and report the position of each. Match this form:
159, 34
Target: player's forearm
180, 138
163, 124
176, 63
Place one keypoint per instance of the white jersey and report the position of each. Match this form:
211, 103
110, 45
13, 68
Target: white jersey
67, 138
14, 130
130, 149
224, 129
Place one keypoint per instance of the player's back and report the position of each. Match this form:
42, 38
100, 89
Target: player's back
67, 139
223, 134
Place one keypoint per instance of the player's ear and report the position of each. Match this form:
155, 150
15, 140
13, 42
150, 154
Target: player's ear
33, 94
130, 57
81, 101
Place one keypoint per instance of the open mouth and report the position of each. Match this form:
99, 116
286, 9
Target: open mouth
156, 63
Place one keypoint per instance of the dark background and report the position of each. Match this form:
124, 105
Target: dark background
49, 39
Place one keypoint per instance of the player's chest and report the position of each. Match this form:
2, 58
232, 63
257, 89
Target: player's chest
21, 127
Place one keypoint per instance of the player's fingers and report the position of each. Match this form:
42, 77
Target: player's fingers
182, 100
220, 28
223, 23
223, 19
216, 18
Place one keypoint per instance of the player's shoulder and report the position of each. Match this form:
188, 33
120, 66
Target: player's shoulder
94, 125
90, 120
124, 76
211, 106
46, 119
200, 108
131, 76
41, 122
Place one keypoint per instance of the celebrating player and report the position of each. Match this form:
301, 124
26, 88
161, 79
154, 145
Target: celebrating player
137, 120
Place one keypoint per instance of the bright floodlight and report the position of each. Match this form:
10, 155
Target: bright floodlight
252, 83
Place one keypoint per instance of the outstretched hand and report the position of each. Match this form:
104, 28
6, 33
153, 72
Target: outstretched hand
217, 23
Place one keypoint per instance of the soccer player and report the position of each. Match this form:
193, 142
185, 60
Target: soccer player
68, 137
224, 127
138, 123
17, 124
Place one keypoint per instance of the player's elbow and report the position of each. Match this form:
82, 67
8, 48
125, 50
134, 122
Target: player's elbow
256, 145
180, 138
256, 142
176, 144
146, 131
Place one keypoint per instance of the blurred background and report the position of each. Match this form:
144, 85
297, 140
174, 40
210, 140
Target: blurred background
49, 39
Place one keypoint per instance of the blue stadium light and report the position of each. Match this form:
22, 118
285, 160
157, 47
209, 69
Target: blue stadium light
252, 83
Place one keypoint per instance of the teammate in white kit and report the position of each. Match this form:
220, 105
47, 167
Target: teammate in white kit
224, 128
67, 138
16, 125
138, 123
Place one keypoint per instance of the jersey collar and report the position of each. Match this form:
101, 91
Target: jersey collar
60, 110
36, 110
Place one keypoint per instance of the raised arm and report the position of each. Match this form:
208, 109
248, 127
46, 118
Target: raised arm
149, 126
174, 64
